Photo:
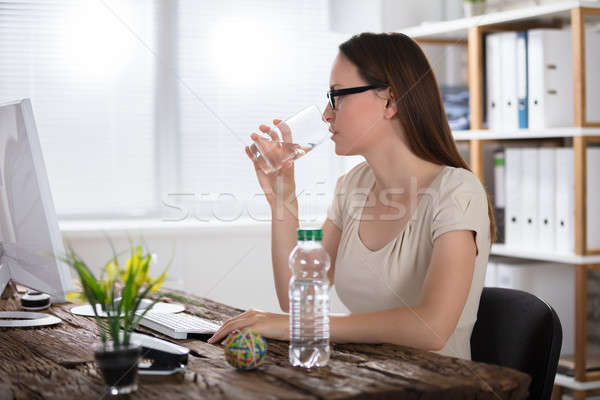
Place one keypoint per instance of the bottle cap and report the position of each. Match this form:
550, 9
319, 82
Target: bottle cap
310, 234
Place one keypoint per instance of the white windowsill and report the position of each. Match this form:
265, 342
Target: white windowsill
94, 228
156, 226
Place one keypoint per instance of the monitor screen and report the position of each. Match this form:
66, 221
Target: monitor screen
30, 240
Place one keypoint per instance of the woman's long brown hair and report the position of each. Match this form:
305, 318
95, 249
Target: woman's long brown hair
397, 61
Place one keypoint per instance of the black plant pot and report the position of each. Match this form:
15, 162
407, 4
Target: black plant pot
119, 366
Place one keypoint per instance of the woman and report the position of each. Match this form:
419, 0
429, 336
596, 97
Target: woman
409, 230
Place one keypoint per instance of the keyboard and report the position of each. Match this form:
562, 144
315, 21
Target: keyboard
178, 325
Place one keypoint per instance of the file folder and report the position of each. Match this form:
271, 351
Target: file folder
546, 199
550, 74
593, 198
493, 81
592, 78
565, 201
522, 80
529, 198
513, 213
499, 193
509, 81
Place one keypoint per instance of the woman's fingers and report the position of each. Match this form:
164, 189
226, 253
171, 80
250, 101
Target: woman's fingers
229, 326
286, 133
271, 132
286, 165
251, 156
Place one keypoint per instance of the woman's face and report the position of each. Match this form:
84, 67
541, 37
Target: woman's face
355, 122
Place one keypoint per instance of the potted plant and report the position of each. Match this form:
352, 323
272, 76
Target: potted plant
473, 7
118, 293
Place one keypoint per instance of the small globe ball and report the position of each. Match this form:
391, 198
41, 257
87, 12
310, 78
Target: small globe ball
245, 349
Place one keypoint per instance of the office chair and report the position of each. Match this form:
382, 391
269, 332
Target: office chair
518, 330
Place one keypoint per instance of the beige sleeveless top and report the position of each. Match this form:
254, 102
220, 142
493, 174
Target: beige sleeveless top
393, 276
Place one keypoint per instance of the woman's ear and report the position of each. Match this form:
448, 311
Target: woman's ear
390, 105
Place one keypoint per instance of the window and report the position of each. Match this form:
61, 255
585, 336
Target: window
140, 102
250, 62
91, 87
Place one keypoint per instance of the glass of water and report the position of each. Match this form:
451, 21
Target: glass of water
289, 140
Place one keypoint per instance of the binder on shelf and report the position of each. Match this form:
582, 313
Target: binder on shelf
509, 81
592, 79
564, 201
593, 198
513, 213
546, 199
522, 80
550, 73
493, 80
499, 193
529, 198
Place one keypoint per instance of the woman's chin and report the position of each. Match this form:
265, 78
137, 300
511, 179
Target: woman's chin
341, 151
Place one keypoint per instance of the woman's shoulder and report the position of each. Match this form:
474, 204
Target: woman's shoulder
456, 181
358, 176
460, 178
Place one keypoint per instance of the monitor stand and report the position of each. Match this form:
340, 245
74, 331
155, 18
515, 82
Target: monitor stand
10, 291
19, 319
7, 287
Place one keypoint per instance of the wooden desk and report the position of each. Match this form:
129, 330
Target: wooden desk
57, 363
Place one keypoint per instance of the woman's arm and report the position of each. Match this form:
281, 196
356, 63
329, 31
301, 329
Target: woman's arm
429, 324
284, 222
279, 189
331, 241
283, 240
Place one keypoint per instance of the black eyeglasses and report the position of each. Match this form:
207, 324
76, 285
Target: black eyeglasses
332, 94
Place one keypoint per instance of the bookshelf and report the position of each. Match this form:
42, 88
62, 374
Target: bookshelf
470, 32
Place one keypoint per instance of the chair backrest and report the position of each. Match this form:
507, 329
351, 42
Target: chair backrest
518, 330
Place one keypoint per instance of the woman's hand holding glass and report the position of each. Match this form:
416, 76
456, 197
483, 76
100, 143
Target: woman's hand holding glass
278, 185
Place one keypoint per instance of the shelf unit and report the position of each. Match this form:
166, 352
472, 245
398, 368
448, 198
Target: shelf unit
470, 32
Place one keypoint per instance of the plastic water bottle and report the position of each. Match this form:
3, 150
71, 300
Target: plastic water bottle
309, 301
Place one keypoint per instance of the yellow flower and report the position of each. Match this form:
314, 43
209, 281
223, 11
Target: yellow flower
158, 282
106, 285
142, 274
131, 267
76, 297
133, 264
112, 270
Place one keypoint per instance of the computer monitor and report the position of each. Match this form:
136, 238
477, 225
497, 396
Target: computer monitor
30, 240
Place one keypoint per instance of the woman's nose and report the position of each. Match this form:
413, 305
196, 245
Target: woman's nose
328, 114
